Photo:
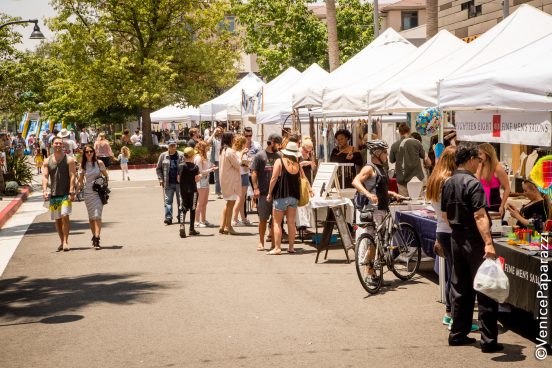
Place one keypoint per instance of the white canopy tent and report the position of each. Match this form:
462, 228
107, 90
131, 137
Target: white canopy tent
276, 92
231, 100
376, 61
519, 81
440, 45
308, 91
419, 90
175, 113
280, 112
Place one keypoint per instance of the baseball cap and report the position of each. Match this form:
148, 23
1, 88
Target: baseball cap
277, 138
170, 141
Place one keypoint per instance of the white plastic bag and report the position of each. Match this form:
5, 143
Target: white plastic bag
492, 281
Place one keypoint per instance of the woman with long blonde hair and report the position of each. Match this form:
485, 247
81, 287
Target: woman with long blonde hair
205, 168
492, 176
230, 182
239, 208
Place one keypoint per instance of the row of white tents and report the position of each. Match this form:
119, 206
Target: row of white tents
509, 67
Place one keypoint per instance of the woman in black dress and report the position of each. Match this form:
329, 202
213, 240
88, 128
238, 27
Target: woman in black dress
538, 209
346, 154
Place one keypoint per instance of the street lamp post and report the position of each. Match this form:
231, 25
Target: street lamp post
36, 35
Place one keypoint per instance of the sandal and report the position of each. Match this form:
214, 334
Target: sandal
60, 248
66, 249
274, 252
291, 250
260, 248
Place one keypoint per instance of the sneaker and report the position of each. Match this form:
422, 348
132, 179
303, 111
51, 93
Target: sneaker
182, 232
168, 221
200, 224
372, 280
447, 320
246, 222
219, 196
193, 232
237, 223
208, 224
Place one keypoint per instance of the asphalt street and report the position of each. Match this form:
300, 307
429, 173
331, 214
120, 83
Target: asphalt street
152, 299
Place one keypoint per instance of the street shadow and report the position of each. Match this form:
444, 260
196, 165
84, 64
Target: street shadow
77, 227
64, 318
394, 285
109, 247
511, 353
46, 297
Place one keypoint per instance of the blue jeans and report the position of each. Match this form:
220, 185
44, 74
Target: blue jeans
217, 181
170, 191
282, 204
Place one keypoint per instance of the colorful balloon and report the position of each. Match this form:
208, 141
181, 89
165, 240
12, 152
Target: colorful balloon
428, 121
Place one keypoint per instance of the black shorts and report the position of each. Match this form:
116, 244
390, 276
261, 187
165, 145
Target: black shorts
189, 201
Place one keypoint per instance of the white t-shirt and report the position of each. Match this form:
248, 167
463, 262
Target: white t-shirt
136, 139
216, 144
442, 225
69, 147
84, 138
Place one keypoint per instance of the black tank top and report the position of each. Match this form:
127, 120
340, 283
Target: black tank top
288, 184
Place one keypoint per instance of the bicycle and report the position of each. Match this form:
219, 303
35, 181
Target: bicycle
396, 246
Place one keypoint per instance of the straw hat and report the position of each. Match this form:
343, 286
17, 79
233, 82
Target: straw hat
292, 149
64, 133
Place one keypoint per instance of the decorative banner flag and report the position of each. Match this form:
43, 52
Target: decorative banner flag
514, 127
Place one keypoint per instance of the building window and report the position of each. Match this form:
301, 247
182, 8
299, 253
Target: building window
473, 10
409, 19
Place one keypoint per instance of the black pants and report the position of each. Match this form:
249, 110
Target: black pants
467, 255
188, 203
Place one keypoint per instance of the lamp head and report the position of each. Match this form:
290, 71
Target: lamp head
37, 34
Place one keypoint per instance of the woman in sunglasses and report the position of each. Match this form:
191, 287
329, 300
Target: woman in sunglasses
91, 169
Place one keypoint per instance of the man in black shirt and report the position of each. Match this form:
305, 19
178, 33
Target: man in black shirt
464, 205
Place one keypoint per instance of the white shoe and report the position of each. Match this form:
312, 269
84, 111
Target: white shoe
237, 223
246, 222
200, 224
208, 224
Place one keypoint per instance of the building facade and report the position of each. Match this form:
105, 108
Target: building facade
469, 18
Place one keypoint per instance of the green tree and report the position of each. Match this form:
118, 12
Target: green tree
286, 33
139, 54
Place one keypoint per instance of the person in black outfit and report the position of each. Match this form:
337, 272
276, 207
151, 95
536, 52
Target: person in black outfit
536, 212
188, 176
464, 205
346, 154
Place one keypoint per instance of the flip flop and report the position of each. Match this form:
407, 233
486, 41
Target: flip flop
260, 248
274, 252
292, 251
60, 248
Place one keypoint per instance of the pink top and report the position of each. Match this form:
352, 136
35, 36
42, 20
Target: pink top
495, 183
103, 149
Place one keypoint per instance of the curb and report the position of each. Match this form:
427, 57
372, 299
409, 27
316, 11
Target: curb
14, 205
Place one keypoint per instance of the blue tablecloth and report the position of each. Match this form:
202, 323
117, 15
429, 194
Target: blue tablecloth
424, 227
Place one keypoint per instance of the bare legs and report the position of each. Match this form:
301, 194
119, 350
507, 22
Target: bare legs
203, 198
226, 219
239, 207
277, 217
262, 233
95, 227
62, 227
291, 213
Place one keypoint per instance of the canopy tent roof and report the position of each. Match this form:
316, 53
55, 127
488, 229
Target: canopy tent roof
419, 90
521, 80
175, 113
375, 61
355, 95
279, 113
308, 91
231, 99
276, 92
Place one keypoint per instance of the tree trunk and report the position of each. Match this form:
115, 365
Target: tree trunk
146, 128
432, 18
333, 46
312, 132
376, 19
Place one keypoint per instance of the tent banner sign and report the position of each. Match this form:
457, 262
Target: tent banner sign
528, 127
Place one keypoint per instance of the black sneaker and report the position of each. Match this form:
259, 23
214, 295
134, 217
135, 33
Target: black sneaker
373, 280
462, 341
168, 221
183, 232
194, 232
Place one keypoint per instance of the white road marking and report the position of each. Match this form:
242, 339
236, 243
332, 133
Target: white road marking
16, 227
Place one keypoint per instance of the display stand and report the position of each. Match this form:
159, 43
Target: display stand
325, 180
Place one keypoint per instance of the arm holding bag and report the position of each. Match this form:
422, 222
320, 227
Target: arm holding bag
492, 281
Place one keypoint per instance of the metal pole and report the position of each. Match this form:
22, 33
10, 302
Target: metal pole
505, 8
376, 19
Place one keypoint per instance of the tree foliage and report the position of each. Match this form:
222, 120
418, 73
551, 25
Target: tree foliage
286, 33
138, 55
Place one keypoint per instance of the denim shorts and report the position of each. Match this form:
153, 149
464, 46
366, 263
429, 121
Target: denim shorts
282, 204
244, 180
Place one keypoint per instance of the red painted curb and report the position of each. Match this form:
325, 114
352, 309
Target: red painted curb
14, 205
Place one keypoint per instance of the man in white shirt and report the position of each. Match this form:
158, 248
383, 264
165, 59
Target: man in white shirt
69, 145
136, 138
72, 135
84, 137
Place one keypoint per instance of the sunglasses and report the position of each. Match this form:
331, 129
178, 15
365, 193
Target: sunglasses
248, 136
88, 151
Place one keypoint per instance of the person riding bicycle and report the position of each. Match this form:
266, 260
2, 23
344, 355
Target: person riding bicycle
372, 185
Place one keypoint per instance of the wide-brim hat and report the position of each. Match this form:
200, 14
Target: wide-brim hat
292, 149
64, 133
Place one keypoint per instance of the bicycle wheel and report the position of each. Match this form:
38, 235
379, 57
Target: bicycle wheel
370, 283
407, 253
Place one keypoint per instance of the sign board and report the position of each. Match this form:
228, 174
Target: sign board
518, 127
324, 179
341, 224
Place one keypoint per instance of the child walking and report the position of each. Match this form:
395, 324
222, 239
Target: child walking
39, 160
188, 176
123, 159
